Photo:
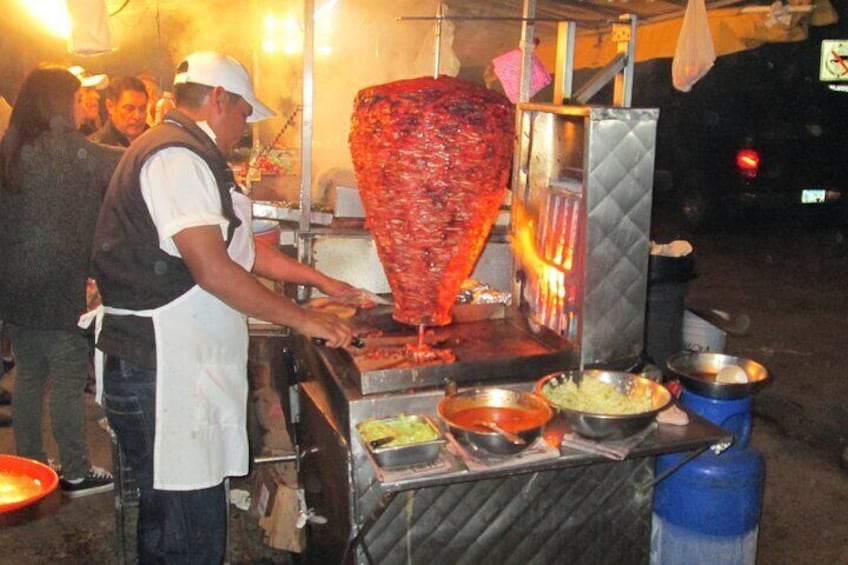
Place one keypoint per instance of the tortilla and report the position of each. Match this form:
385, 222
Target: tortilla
331, 306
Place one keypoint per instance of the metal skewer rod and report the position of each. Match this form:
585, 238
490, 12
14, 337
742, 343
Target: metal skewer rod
438, 52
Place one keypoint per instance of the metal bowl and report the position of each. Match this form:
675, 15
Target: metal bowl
697, 373
607, 426
390, 456
530, 414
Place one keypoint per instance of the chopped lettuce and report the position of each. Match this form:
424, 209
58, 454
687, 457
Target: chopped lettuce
405, 430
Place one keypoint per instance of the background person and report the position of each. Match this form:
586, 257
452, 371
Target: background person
91, 87
51, 182
126, 104
154, 93
173, 258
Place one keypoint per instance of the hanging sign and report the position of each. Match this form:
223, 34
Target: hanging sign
834, 60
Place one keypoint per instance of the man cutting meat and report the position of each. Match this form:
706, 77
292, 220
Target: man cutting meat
173, 256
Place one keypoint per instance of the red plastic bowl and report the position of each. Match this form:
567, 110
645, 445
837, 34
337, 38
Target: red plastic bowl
38, 479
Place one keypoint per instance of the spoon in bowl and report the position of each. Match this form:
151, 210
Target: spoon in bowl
510, 436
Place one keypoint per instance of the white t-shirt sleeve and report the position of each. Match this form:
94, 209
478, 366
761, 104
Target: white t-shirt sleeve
180, 192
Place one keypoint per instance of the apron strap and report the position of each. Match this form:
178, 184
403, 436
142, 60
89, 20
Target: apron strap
96, 315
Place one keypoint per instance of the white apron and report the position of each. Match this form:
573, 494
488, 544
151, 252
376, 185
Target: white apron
201, 379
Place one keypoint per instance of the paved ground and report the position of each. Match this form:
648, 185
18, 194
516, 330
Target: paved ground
790, 281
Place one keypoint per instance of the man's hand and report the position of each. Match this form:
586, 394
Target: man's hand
336, 331
205, 253
337, 289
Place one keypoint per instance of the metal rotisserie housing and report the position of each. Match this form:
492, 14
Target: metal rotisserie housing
581, 223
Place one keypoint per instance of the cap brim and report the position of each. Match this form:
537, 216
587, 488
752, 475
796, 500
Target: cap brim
95, 81
260, 111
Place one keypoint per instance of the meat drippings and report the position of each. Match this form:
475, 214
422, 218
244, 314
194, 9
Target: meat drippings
401, 354
426, 355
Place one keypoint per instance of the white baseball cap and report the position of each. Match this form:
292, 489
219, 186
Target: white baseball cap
89, 80
216, 69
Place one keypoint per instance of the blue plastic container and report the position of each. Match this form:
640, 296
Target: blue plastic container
708, 510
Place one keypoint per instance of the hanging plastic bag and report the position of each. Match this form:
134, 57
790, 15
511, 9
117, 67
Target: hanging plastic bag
695, 54
90, 34
449, 63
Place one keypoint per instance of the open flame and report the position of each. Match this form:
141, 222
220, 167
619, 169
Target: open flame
546, 249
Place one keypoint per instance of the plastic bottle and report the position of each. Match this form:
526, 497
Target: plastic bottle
164, 105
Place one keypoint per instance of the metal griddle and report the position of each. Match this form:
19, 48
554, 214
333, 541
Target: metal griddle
489, 345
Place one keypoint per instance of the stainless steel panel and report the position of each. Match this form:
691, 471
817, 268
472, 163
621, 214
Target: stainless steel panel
609, 154
584, 515
352, 257
619, 168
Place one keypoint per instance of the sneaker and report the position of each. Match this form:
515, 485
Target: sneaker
95, 481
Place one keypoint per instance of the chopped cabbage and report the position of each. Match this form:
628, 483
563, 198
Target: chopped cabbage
598, 397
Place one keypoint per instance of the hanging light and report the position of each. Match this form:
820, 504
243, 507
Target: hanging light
52, 15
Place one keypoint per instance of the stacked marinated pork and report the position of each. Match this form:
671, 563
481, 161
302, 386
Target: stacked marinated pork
432, 159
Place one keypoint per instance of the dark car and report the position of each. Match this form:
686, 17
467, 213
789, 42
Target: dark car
778, 165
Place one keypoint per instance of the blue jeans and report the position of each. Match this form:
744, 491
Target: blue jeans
60, 357
174, 527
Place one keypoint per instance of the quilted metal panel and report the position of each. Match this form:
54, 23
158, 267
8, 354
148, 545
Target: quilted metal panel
584, 515
619, 166
605, 156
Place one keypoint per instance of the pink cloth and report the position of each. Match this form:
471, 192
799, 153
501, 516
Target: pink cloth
508, 71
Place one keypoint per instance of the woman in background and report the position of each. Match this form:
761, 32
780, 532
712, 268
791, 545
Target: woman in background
51, 183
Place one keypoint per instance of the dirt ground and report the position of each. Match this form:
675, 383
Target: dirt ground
790, 281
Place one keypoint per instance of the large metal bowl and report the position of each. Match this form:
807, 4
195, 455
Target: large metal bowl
607, 426
697, 373
532, 411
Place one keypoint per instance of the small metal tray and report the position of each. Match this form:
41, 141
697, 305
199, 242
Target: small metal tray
407, 455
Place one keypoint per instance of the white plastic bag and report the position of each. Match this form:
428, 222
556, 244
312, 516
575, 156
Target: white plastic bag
695, 54
90, 34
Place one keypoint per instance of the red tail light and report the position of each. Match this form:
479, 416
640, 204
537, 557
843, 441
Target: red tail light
748, 162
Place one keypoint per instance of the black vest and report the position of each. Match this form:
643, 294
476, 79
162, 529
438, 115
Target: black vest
131, 270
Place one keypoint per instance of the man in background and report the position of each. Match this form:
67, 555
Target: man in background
126, 103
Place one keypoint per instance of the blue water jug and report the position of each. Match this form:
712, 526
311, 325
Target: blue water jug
708, 510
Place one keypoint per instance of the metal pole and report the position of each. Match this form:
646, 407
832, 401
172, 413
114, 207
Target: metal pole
438, 51
307, 114
564, 77
624, 34
527, 28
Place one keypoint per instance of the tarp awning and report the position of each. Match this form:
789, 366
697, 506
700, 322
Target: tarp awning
733, 29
